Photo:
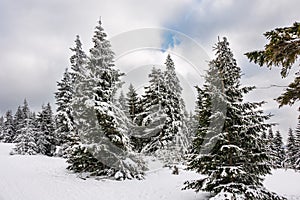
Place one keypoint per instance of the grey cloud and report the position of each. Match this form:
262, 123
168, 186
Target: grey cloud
35, 36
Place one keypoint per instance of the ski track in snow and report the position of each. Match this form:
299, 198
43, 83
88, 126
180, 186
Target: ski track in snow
44, 178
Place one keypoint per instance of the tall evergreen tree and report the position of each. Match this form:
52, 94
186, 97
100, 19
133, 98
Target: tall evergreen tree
232, 157
65, 127
264, 139
191, 122
79, 158
203, 111
19, 119
26, 139
153, 116
78, 61
174, 107
8, 130
163, 114
1, 127
133, 102
291, 150
77, 74
46, 137
271, 149
26, 110
22, 114
278, 150
26, 131
102, 125
151, 100
297, 141
63, 96
122, 102
173, 136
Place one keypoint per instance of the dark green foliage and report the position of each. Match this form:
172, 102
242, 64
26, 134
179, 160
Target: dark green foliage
78, 60
1, 127
82, 160
26, 130
292, 94
122, 102
64, 118
132, 102
8, 130
65, 127
164, 130
292, 150
270, 149
26, 139
102, 126
19, 118
151, 118
282, 50
278, 150
173, 106
297, 141
46, 137
231, 153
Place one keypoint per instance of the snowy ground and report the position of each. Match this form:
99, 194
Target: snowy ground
41, 177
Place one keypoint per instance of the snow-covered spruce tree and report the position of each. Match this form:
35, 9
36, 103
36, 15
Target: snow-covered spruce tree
151, 98
26, 110
65, 128
270, 149
174, 104
211, 90
1, 127
63, 97
18, 123
191, 123
26, 139
152, 119
132, 102
1, 121
265, 144
103, 127
78, 69
8, 130
163, 114
231, 157
278, 151
297, 141
78, 61
264, 136
173, 136
122, 102
291, 150
80, 159
46, 137
22, 114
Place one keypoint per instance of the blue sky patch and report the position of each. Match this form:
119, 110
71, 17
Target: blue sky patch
170, 40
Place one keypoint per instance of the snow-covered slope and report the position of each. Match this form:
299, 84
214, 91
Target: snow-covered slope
40, 177
284, 182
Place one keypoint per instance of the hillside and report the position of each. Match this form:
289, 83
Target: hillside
40, 177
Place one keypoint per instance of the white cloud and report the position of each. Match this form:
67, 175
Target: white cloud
36, 36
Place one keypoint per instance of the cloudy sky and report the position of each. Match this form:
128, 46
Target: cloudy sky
35, 38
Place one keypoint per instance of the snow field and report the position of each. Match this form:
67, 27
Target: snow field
40, 177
